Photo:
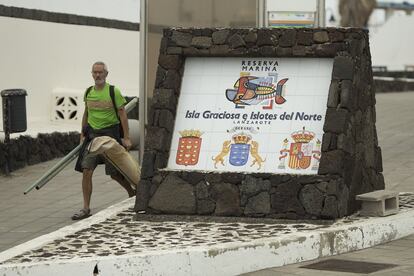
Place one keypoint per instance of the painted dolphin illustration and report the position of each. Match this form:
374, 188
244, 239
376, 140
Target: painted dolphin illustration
250, 90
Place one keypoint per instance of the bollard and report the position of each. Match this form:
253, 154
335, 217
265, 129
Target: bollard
14, 116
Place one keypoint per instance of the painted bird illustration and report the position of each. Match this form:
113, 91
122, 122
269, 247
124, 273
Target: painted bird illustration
250, 90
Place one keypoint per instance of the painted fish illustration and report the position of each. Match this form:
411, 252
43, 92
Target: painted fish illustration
250, 90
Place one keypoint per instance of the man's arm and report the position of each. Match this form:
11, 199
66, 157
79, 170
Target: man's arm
84, 124
124, 122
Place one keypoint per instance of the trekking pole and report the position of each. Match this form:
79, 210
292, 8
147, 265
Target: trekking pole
59, 166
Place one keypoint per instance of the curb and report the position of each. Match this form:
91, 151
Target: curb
226, 259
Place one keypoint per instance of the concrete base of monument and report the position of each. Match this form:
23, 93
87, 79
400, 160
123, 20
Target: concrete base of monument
115, 243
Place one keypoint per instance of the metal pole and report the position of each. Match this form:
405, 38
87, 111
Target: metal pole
55, 169
143, 29
6, 124
321, 13
261, 13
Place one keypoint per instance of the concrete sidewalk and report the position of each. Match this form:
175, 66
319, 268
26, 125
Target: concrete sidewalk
25, 217
399, 253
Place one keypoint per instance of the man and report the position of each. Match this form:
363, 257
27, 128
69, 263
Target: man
102, 117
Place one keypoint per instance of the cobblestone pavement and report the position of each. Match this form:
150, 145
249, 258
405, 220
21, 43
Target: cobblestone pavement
121, 234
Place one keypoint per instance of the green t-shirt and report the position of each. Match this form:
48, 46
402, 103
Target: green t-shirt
101, 112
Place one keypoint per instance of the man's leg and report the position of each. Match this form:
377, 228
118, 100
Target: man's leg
87, 187
124, 183
89, 163
87, 193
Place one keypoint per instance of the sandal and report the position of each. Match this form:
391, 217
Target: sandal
83, 213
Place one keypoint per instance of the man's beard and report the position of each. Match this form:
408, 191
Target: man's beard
99, 81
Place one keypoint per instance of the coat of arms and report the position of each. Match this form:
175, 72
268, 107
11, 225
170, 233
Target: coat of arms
240, 150
301, 152
189, 146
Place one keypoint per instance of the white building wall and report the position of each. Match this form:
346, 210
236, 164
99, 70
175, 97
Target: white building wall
43, 57
391, 46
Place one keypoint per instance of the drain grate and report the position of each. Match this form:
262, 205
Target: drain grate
348, 266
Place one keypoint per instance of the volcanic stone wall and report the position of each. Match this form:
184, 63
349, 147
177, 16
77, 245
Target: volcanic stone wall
27, 150
351, 161
394, 85
66, 18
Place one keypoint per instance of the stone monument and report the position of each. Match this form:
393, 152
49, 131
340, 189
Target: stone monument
273, 123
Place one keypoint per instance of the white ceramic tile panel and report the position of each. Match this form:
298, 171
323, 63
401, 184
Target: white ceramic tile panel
202, 161
303, 114
281, 124
171, 159
174, 141
228, 65
211, 141
204, 88
325, 67
309, 84
194, 86
293, 86
308, 67
272, 155
288, 68
191, 85
185, 104
194, 66
204, 102
302, 85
